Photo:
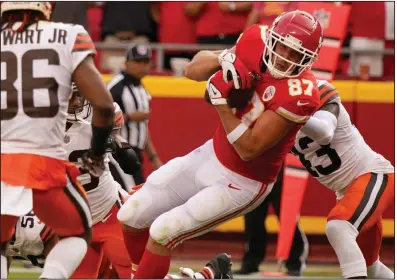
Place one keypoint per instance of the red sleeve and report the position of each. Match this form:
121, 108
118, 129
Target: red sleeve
250, 47
296, 99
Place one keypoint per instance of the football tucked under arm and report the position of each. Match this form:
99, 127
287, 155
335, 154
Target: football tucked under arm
238, 98
217, 90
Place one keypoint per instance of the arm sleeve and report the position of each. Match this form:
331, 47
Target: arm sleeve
81, 46
321, 127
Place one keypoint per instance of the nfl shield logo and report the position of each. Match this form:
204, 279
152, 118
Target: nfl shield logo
66, 139
323, 17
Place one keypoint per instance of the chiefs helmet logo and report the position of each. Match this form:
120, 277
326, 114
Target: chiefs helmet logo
268, 93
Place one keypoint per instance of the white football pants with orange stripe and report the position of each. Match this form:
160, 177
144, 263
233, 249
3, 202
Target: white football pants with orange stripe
189, 196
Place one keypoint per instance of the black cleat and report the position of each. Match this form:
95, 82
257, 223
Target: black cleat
222, 266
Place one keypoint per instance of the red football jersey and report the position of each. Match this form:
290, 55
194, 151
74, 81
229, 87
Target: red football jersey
295, 99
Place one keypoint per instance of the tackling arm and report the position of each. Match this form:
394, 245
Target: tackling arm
321, 126
91, 85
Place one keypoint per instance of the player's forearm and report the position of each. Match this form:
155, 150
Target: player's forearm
247, 146
203, 65
321, 127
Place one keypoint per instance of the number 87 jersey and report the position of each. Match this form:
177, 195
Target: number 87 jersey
346, 157
36, 71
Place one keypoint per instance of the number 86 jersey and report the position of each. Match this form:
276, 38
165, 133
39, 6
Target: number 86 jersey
346, 157
36, 71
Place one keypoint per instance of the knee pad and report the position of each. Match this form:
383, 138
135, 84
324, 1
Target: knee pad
134, 212
335, 229
168, 225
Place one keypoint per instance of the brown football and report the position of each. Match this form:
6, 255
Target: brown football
239, 98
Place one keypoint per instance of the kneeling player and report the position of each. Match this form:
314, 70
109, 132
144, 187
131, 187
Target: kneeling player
334, 152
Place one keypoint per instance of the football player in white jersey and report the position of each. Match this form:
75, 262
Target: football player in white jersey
39, 61
334, 152
104, 193
32, 240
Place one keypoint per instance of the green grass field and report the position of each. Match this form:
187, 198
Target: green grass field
312, 271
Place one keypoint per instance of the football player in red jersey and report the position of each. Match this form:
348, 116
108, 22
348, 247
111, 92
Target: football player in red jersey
232, 173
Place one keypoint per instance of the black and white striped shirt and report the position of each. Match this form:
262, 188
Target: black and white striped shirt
129, 93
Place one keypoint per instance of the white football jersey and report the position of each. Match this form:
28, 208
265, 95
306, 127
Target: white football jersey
36, 70
103, 192
29, 238
347, 157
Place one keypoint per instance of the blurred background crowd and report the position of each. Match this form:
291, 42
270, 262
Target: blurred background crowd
370, 27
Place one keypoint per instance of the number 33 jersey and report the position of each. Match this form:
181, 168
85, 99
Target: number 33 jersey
347, 157
102, 192
36, 71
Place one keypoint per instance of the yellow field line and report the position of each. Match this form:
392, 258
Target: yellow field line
309, 224
180, 87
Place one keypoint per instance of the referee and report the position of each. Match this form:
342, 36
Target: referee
133, 99
256, 236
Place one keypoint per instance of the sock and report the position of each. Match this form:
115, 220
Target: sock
342, 237
3, 267
379, 270
206, 273
153, 266
135, 244
64, 258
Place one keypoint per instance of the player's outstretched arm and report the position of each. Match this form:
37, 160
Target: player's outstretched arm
321, 126
249, 143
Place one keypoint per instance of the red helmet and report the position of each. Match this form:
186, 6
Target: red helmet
299, 31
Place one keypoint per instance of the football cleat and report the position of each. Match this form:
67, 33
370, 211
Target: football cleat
222, 266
